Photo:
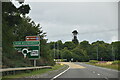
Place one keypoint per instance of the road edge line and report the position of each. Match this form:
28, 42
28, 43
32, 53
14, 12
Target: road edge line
60, 73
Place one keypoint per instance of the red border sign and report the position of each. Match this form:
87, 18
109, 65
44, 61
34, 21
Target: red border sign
32, 38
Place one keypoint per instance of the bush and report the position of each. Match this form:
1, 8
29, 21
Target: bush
116, 62
27, 71
93, 61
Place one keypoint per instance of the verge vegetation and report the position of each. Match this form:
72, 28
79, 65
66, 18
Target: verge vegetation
107, 64
29, 73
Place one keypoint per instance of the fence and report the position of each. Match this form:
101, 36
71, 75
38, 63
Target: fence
8, 71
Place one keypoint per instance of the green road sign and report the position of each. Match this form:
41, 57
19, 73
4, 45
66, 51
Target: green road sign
29, 48
26, 43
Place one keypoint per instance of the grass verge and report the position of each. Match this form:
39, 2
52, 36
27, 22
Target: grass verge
110, 66
41, 71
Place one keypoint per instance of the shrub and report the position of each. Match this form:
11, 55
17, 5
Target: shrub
93, 61
116, 62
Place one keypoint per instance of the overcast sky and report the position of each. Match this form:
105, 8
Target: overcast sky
93, 20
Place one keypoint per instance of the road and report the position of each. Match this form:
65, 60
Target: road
83, 71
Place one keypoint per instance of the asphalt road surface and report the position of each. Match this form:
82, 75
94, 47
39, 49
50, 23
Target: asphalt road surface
83, 71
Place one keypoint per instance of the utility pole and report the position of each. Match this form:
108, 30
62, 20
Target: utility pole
57, 50
97, 52
54, 50
113, 53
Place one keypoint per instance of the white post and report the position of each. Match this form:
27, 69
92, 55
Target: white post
24, 55
57, 50
34, 62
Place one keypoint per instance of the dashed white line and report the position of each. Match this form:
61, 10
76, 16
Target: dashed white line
98, 74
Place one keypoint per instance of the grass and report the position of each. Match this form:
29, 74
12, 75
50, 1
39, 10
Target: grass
41, 71
110, 66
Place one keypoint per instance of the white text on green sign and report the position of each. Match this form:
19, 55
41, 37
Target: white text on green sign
26, 43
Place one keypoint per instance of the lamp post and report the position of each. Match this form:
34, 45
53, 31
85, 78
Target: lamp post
113, 53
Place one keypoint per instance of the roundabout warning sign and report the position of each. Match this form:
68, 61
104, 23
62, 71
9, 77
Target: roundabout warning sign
30, 49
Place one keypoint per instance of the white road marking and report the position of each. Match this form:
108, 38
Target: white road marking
60, 73
98, 74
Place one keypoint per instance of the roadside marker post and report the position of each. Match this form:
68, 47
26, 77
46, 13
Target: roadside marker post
34, 62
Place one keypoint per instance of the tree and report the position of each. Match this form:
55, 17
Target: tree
51, 45
116, 50
16, 25
26, 28
46, 57
86, 46
81, 53
103, 50
66, 54
59, 44
70, 45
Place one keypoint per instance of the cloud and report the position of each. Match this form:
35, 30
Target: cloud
113, 39
92, 20
72, 0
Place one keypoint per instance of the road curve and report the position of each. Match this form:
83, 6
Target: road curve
83, 71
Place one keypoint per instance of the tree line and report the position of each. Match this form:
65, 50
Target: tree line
84, 51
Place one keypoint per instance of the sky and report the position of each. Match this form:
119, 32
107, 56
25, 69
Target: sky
93, 20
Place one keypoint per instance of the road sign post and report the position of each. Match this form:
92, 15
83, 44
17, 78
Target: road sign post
29, 48
34, 62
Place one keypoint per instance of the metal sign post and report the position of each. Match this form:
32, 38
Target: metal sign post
24, 55
34, 62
